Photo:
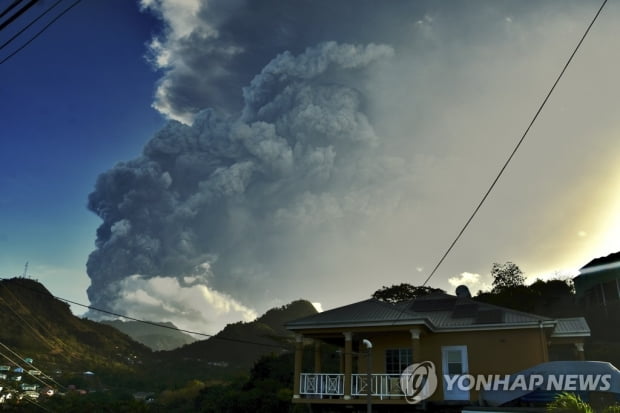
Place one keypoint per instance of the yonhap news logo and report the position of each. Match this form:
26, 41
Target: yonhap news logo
419, 382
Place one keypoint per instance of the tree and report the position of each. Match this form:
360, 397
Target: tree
505, 276
403, 292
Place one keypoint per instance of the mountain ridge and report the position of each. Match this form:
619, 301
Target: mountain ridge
152, 336
37, 325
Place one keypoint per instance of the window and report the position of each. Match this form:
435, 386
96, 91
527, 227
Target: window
454, 362
397, 360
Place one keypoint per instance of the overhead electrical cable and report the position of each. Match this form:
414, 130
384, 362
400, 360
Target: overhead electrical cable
518, 145
41, 326
31, 365
9, 8
25, 370
36, 333
19, 12
54, 20
39, 17
213, 336
54, 344
37, 404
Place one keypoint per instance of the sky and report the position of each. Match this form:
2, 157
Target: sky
200, 162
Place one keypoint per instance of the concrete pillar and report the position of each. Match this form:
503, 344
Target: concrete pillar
580, 353
544, 344
348, 363
317, 356
299, 355
416, 357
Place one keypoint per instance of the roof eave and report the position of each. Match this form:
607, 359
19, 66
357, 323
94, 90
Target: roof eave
386, 323
569, 335
424, 322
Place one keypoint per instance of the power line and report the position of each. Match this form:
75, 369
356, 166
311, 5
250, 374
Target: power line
23, 46
31, 365
25, 322
39, 17
19, 12
57, 342
514, 151
9, 8
212, 336
24, 370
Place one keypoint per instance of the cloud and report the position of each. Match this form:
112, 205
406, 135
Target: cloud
231, 191
192, 306
334, 147
474, 282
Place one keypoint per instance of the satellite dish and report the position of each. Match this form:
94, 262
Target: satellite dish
463, 291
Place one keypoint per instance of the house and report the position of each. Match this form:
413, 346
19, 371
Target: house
457, 334
598, 282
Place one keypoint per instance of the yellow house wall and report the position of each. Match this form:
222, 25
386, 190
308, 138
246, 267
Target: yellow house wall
488, 352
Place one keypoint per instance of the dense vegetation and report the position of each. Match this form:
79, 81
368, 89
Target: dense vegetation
36, 325
247, 367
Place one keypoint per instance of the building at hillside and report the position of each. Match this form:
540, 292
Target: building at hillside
598, 282
456, 333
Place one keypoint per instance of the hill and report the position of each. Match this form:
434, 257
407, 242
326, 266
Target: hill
35, 324
237, 347
156, 338
38, 326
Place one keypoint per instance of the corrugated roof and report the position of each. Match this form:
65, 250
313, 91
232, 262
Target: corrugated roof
362, 312
439, 312
571, 327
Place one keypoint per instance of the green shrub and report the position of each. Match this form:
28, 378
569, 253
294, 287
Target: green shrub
615, 408
568, 403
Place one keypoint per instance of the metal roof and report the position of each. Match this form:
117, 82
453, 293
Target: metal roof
571, 327
439, 312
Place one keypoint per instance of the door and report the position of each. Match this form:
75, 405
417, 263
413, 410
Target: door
454, 363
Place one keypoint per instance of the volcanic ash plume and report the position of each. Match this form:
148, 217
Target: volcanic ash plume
209, 209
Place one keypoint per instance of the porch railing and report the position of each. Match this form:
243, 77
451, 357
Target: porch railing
325, 385
382, 385
321, 385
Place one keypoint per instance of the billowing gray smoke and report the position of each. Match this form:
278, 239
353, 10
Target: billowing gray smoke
322, 149
222, 192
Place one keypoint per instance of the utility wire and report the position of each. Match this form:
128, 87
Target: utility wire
19, 12
27, 312
37, 404
23, 320
212, 336
16, 35
176, 328
9, 8
514, 151
25, 370
33, 367
23, 46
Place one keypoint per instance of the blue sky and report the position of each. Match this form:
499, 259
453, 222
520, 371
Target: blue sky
74, 102
344, 146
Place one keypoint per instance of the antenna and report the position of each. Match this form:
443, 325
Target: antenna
25, 270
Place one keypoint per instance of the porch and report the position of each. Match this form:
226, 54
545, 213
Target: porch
349, 361
332, 385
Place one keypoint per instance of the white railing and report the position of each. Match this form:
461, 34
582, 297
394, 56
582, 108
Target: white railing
381, 385
320, 385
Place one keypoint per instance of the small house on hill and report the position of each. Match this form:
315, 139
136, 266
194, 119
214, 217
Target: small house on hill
598, 282
456, 333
